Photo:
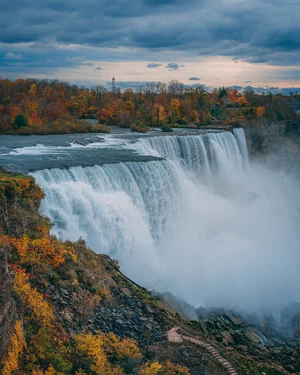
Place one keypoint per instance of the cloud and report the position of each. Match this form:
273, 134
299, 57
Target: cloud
178, 28
247, 81
154, 65
98, 68
13, 56
172, 66
194, 79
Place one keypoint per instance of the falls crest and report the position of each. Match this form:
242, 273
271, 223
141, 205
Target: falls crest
203, 154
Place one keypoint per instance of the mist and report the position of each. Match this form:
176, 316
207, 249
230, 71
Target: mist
226, 237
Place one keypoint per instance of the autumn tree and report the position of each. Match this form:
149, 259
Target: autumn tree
242, 101
174, 111
260, 111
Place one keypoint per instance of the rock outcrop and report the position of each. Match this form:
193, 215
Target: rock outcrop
9, 304
260, 137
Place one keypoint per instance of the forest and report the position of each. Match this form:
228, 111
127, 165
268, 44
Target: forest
31, 106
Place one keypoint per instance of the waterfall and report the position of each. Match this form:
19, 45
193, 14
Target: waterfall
204, 153
198, 223
241, 140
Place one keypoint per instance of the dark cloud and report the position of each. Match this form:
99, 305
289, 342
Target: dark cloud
256, 31
194, 79
98, 68
153, 65
172, 66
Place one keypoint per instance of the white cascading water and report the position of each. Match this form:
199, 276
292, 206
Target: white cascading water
203, 223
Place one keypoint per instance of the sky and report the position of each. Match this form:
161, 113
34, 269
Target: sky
209, 42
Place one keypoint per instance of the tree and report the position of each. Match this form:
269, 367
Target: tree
260, 111
153, 368
174, 111
222, 92
242, 101
20, 121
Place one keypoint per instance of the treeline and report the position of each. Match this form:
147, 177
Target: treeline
52, 106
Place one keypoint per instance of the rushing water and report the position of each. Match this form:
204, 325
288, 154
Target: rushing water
202, 223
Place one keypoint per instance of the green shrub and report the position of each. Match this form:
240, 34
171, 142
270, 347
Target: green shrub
139, 127
166, 129
101, 128
20, 121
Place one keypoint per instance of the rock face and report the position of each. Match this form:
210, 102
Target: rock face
9, 305
260, 137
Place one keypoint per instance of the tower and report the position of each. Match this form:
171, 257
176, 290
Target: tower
113, 84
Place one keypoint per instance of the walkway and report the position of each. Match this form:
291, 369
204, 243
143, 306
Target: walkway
175, 337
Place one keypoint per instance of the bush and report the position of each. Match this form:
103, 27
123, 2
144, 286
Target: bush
182, 121
67, 126
101, 128
166, 129
20, 121
139, 127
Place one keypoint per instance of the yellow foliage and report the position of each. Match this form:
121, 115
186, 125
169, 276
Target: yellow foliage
121, 348
153, 368
19, 184
80, 372
170, 369
49, 371
42, 251
260, 111
33, 300
92, 347
242, 101
37, 371
15, 350
32, 90
4, 240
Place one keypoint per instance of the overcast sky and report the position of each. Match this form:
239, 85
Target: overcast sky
212, 42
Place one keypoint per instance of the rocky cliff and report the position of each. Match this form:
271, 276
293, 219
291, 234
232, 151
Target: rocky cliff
261, 136
10, 306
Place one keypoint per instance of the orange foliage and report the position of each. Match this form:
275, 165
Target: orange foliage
15, 110
32, 299
242, 101
15, 351
260, 111
42, 251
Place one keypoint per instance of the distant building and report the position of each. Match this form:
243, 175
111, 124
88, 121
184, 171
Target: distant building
113, 84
